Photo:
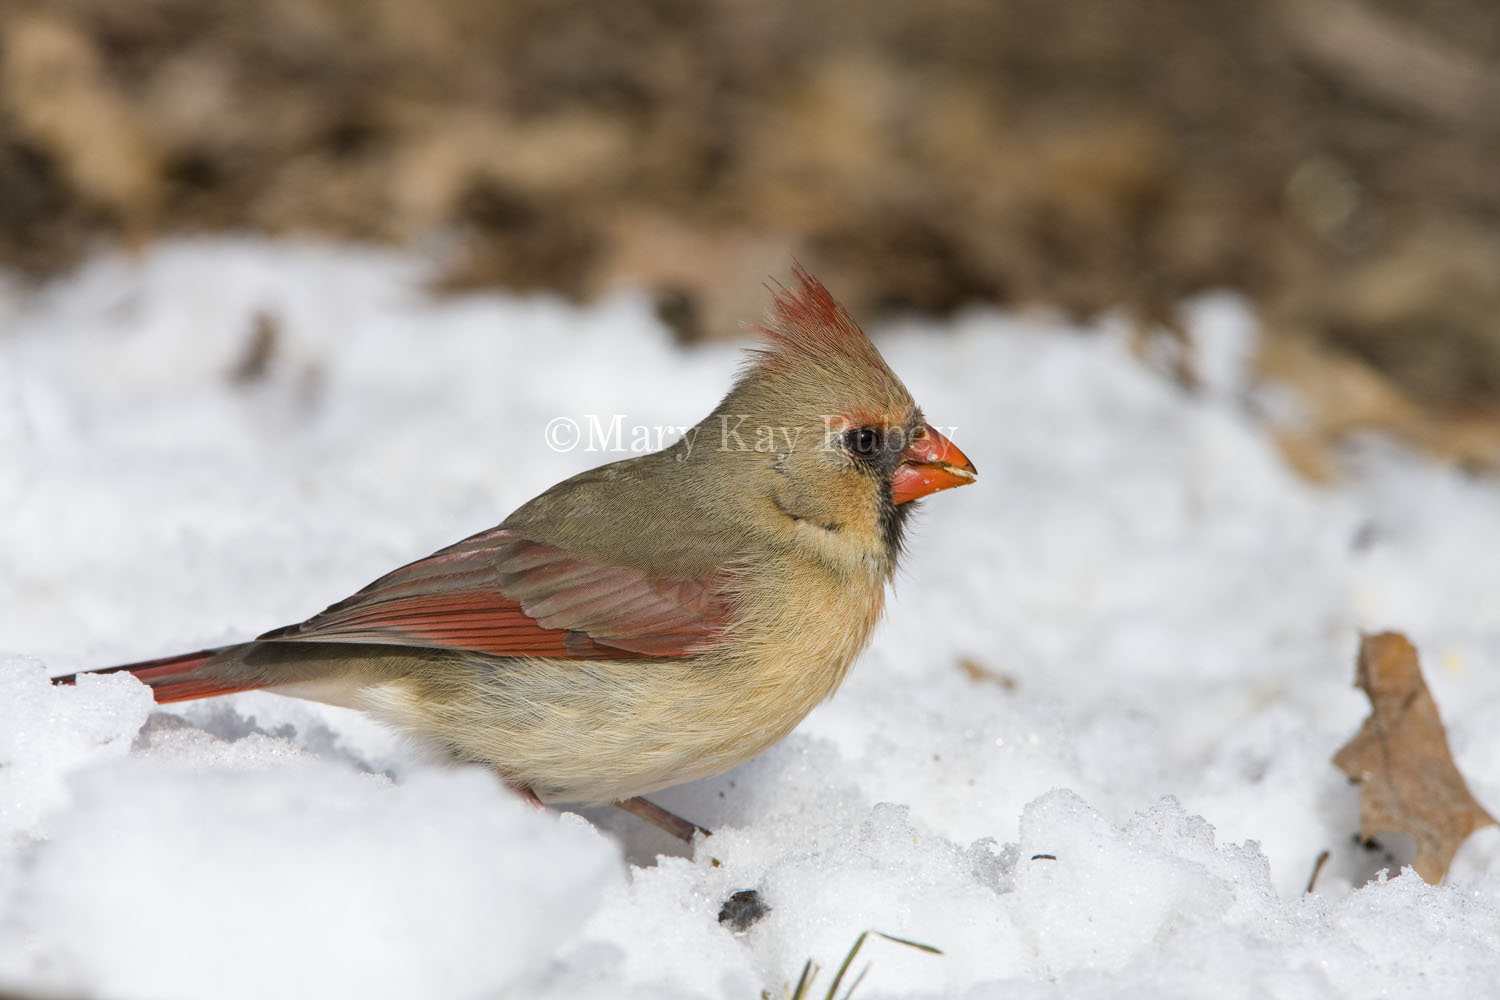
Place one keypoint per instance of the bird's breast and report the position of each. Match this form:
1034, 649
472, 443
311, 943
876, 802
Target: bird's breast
797, 635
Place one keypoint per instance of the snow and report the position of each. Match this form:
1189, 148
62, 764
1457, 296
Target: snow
1127, 799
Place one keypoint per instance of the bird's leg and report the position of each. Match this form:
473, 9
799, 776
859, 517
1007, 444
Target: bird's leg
526, 794
654, 814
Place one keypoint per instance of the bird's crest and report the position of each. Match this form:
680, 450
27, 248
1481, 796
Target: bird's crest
813, 340
807, 323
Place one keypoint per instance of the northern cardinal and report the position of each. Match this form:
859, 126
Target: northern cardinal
648, 622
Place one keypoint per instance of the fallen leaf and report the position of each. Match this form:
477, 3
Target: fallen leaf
1401, 761
981, 674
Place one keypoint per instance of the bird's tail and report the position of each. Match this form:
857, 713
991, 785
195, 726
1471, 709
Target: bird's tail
175, 678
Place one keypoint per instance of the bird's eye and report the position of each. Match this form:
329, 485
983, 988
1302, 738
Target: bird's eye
862, 442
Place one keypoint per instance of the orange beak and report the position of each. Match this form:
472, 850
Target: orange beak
930, 463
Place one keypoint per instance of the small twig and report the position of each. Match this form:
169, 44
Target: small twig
857, 980
810, 971
910, 943
1317, 870
804, 981
833, 991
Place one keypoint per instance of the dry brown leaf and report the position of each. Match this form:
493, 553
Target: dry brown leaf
56, 89
1401, 761
981, 674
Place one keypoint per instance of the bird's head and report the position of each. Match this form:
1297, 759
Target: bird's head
829, 446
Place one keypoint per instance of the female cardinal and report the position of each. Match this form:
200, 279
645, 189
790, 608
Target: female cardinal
651, 621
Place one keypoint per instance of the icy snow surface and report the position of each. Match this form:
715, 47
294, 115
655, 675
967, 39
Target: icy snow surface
1129, 802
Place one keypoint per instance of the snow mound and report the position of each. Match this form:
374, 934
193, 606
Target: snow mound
1087, 754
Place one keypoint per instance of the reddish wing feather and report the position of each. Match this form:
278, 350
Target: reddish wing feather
171, 678
505, 595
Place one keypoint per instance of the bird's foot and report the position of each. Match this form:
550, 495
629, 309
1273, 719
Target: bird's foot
654, 814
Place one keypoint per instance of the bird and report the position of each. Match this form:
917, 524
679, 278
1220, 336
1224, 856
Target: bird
654, 620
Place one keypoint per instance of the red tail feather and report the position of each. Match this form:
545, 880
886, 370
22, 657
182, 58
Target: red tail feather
172, 678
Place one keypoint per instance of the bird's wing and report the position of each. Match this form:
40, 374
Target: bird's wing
500, 593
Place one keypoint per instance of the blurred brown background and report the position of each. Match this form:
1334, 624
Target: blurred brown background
1337, 161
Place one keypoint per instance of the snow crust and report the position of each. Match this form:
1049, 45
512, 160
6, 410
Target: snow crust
1122, 796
